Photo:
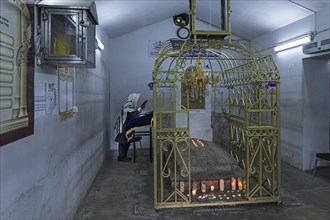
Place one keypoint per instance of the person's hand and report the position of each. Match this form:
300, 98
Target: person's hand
143, 105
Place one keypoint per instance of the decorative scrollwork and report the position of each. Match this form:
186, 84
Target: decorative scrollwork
166, 172
183, 144
248, 87
184, 172
166, 145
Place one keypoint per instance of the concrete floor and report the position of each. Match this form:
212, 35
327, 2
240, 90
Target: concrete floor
124, 191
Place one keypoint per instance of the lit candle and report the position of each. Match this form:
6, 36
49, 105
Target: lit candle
233, 183
203, 187
182, 186
244, 184
222, 184
212, 188
194, 188
239, 184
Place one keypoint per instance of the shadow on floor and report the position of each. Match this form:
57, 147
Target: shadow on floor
124, 191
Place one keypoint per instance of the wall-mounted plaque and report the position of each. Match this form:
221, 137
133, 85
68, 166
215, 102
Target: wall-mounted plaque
16, 71
66, 91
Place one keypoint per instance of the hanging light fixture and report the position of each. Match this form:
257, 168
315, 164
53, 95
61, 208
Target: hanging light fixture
181, 20
196, 80
293, 43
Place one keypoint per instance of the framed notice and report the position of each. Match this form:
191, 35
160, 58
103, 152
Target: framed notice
16, 71
66, 91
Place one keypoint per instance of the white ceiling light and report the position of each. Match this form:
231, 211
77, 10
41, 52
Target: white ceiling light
293, 43
100, 45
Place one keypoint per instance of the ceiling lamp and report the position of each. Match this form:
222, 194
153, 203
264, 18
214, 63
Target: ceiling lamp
181, 20
293, 43
99, 44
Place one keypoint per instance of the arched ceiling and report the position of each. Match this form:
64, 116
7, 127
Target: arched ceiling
250, 18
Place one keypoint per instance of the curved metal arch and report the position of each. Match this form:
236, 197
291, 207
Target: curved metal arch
229, 56
252, 81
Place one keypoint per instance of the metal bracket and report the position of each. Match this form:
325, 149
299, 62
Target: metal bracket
44, 16
84, 23
44, 50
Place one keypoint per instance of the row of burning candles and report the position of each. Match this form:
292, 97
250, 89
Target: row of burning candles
234, 184
198, 143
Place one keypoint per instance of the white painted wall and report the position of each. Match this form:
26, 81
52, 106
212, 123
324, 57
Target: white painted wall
316, 102
295, 149
46, 175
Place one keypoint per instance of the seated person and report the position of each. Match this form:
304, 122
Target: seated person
129, 113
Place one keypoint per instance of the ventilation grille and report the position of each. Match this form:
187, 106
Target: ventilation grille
317, 46
325, 42
310, 46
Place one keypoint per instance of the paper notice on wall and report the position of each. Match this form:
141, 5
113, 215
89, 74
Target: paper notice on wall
50, 98
45, 103
39, 106
153, 47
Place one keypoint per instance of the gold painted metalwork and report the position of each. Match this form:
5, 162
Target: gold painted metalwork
66, 92
195, 101
196, 81
245, 87
225, 22
246, 94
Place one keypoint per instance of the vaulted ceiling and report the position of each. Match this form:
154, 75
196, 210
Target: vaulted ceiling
249, 18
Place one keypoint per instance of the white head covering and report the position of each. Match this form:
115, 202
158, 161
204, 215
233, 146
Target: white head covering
130, 105
133, 98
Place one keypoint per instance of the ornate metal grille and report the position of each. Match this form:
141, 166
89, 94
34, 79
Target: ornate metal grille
247, 96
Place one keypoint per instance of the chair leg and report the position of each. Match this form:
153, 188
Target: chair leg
315, 166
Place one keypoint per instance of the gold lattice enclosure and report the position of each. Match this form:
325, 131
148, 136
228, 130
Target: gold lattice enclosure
244, 87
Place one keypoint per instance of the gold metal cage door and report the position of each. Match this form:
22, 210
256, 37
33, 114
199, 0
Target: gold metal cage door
245, 88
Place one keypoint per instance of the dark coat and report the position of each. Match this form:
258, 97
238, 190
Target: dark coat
121, 137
